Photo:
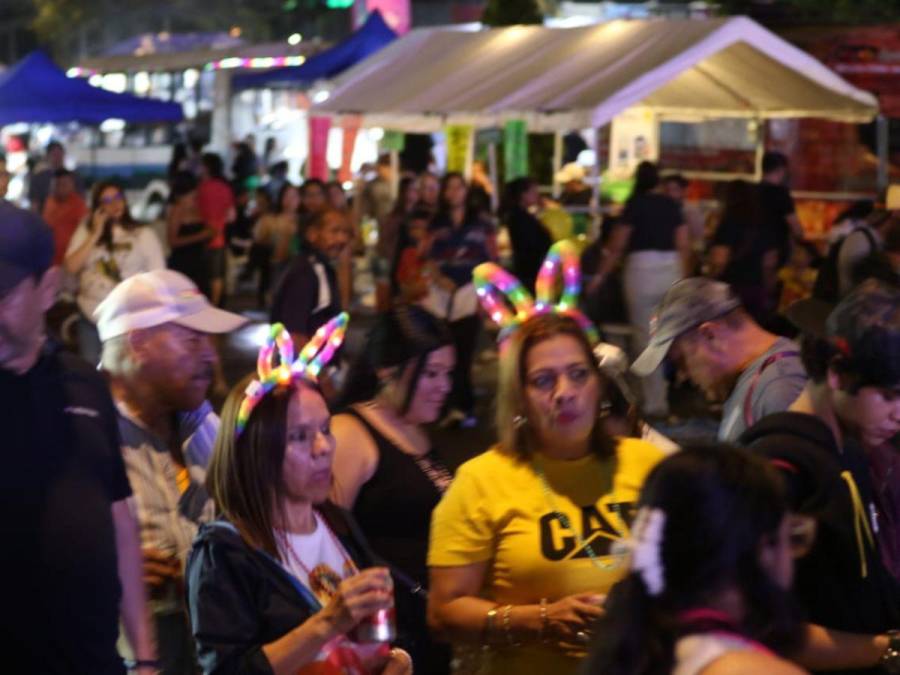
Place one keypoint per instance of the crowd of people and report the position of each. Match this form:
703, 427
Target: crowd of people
314, 524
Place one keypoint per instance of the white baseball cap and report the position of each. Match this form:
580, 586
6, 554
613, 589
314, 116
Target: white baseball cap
571, 171
162, 296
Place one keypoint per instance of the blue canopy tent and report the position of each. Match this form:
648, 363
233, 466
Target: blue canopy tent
36, 90
371, 36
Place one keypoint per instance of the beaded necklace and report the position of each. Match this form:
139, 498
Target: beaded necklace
566, 523
292, 554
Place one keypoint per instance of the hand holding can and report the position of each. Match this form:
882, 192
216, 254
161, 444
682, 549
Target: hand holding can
363, 606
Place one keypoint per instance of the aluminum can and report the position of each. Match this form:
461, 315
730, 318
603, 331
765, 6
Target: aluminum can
378, 627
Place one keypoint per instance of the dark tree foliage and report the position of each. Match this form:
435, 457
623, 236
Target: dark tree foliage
512, 12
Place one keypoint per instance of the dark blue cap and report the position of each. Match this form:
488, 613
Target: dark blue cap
865, 328
26, 245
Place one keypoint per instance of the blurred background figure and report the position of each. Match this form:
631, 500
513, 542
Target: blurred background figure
107, 248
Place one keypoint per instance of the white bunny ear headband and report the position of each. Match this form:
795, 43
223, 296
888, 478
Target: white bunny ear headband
644, 546
509, 304
314, 356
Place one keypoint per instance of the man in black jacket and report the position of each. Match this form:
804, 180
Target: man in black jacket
851, 402
70, 559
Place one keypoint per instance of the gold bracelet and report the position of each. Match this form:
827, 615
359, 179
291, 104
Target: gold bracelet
542, 631
507, 626
490, 623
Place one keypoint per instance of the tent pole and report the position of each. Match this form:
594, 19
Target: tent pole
492, 172
595, 176
221, 120
760, 148
881, 131
557, 160
395, 173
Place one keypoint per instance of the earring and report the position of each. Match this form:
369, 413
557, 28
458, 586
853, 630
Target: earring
519, 421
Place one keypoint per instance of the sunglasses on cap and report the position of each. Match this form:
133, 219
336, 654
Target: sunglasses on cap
109, 199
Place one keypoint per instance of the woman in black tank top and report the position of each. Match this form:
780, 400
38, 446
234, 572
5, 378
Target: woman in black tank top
385, 470
187, 233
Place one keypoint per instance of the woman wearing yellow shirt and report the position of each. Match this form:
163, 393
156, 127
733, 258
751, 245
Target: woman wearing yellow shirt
520, 556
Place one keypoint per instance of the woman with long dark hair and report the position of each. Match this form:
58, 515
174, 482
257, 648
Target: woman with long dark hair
385, 468
743, 252
529, 238
461, 242
279, 228
108, 247
652, 239
710, 573
282, 583
187, 232
390, 234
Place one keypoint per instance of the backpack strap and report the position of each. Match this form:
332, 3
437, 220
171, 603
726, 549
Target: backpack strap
748, 399
873, 244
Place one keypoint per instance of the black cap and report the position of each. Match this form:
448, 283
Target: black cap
26, 245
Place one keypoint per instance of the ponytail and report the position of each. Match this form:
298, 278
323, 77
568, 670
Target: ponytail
634, 637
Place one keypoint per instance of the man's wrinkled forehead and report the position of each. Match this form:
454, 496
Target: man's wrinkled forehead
170, 330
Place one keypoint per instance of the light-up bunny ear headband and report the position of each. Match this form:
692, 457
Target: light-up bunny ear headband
314, 356
509, 304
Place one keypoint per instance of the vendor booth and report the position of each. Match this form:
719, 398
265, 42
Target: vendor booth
635, 74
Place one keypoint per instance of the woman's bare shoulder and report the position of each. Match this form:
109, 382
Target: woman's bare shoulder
751, 663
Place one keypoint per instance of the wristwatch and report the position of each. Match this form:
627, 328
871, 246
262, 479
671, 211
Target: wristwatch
890, 660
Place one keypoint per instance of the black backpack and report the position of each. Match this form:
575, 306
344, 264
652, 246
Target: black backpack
827, 286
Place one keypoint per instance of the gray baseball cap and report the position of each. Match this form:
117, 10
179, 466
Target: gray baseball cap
687, 304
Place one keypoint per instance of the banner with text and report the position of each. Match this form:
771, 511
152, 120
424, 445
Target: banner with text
515, 149
317, 166
460, 139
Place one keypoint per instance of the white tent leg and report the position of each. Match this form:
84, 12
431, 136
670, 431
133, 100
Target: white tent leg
221, 121
760, 149
881, 135
595, 176
557, 160
395, 173
492, 173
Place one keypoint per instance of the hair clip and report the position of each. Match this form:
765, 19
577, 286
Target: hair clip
644, 546
509, 304
314, 356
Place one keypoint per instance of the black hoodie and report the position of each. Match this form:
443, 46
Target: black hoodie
841, 582
240, 598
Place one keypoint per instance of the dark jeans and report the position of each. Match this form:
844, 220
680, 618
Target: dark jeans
175, 644
261, 259
465, 334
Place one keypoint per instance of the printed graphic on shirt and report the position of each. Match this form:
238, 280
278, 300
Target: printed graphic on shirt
315, 560
559, 542
324, 580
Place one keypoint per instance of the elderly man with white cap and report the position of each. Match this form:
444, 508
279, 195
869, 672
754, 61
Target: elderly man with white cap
155, 328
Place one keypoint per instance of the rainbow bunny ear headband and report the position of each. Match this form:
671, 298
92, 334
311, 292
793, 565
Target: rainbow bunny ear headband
509, 304
314, 356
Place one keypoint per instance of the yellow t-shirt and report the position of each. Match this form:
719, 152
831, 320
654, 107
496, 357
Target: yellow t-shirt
497, 510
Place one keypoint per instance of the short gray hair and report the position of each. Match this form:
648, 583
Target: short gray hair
115, 358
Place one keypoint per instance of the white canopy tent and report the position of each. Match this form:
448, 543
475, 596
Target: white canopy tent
570, 78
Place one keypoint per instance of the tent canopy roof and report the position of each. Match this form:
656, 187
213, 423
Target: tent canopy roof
371, 36
37, 90
564, 78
